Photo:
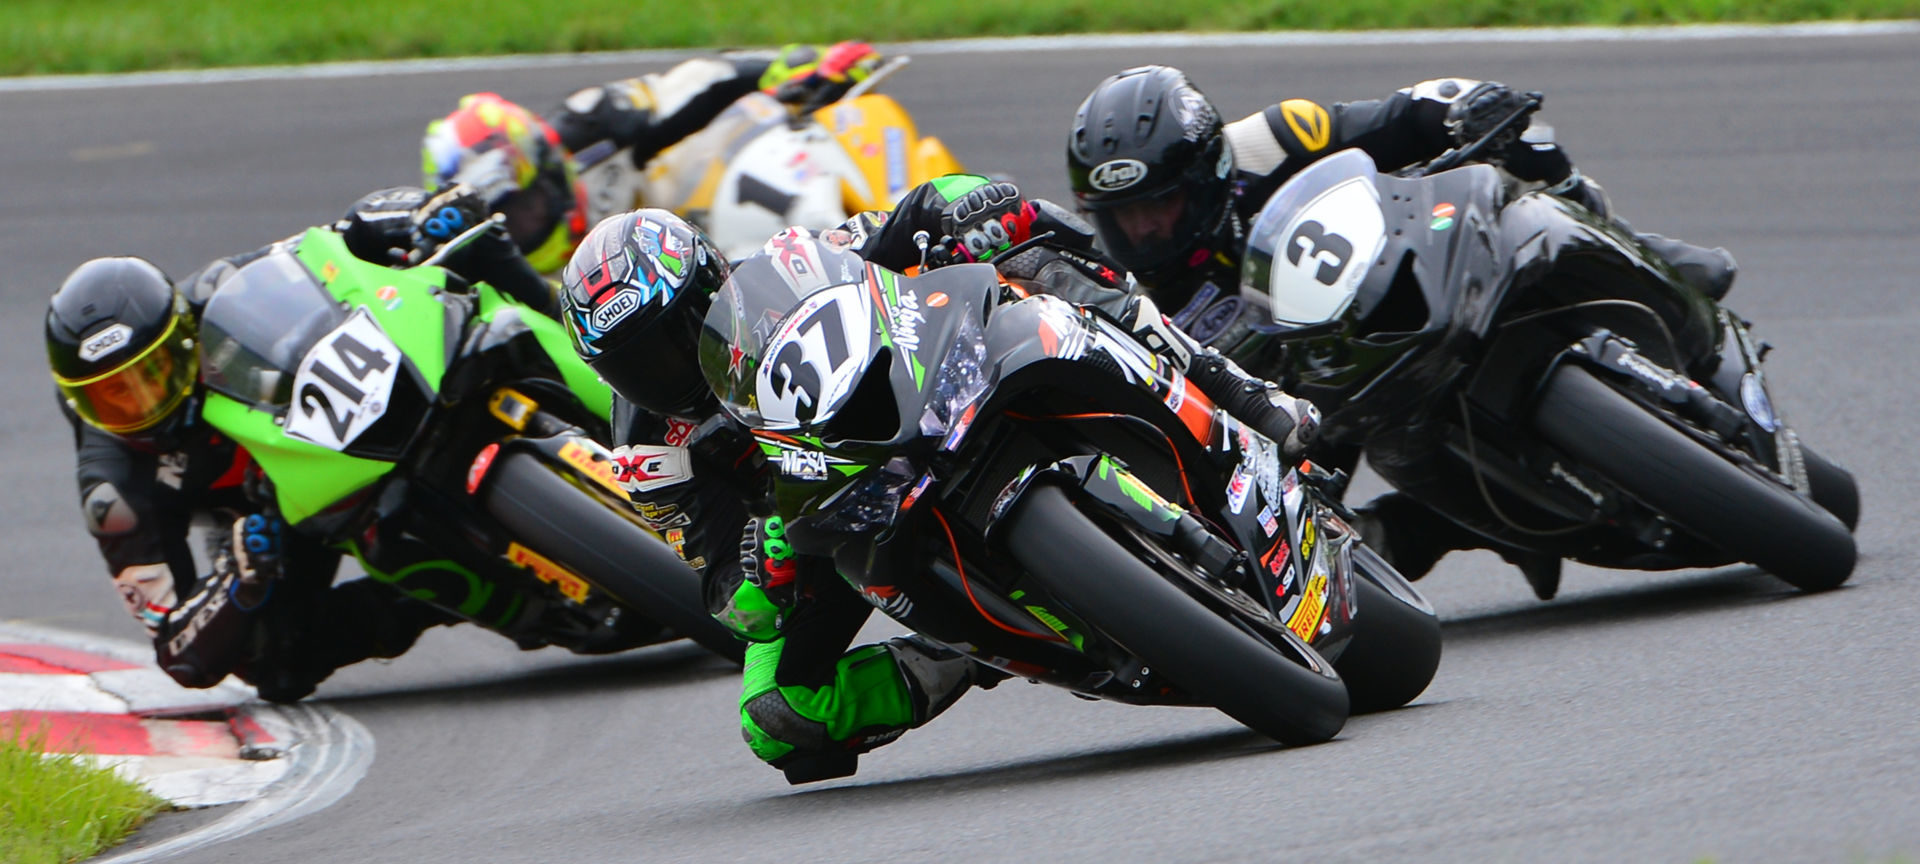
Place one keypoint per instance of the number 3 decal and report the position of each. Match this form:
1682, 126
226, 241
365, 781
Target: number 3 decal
1312, 241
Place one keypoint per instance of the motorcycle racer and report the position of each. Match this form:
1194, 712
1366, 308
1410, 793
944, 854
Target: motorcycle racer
523, 163
637, 292
122, 344
1172, 189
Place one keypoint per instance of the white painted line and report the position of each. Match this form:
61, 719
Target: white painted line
196, 781
24, 692
332, 755
1003, 45
327, 754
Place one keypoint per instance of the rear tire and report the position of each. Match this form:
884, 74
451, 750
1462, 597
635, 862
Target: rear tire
1206, 655
1396, 646
579, 529
1754, 519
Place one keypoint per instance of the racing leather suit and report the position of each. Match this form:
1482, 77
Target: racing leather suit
810, 704
141, 501
1410, 126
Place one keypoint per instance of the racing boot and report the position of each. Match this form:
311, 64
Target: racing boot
877, 694
1711, 271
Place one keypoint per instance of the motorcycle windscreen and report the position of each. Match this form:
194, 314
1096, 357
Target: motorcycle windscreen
1316, 239
260, 323
790, 333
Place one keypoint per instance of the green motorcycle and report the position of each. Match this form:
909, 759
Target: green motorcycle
437, 432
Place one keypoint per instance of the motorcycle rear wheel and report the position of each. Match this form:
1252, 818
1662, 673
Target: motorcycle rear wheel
1755, 519
1209, 657
578, 529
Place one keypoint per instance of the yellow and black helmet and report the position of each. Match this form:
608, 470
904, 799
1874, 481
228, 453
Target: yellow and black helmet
121, 342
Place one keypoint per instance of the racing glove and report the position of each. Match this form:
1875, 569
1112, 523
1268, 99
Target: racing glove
810, 77
1480, 109
761, 602
491, 257
984, 222
378, 228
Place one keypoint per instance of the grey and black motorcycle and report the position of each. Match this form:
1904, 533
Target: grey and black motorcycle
1025, 483
1534, 373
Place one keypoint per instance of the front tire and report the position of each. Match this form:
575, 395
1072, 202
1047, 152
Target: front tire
1207, 656
577, 528
1752, 518
1396, 646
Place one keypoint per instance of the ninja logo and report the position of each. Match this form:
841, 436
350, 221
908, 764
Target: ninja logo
1117, 174
105, 342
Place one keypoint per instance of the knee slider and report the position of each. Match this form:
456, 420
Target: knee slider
774, 722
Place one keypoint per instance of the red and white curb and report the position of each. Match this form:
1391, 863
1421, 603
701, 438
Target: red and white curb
195, 748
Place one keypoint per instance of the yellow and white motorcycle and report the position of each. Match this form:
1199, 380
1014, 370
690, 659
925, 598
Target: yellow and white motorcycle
759, 167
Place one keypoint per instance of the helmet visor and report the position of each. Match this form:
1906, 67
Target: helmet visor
141, 392
1159, 229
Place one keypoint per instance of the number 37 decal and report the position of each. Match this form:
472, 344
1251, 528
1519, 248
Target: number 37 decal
343, 383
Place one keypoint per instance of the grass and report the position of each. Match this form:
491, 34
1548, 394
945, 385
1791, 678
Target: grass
67, 36
55, 809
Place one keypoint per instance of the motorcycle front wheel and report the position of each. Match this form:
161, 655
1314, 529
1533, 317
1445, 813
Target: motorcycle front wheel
1753, 518
1209, 657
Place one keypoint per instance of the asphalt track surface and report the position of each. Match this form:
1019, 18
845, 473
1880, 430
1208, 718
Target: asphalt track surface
1640, 717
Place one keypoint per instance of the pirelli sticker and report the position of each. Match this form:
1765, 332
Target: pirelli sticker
1313, 605
570, 584
1309, 123
593, 462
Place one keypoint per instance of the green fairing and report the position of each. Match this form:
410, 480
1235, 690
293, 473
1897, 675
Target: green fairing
416, 322
552, 335
307, 478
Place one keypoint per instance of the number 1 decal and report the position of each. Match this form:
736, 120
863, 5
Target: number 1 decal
343, 383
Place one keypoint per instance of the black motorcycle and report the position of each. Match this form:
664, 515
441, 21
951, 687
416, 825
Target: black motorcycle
1534, 373
1027, 484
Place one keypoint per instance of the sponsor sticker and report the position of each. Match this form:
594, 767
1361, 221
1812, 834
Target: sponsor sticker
1237, 487
1117, 174
570, 584
593, 462
1313, 604
1268, 521
616, 309
1442, 217
646, 467
478, 470
106, 342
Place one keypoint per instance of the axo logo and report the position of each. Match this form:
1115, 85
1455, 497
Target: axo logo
1117, 174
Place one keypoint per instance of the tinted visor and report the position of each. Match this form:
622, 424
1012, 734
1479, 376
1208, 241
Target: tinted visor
141, 392
1160, 229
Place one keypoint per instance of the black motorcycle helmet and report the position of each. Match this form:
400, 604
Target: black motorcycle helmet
635, 294
1149, 165
121, 345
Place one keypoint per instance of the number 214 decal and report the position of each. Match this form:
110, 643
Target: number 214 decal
343, 383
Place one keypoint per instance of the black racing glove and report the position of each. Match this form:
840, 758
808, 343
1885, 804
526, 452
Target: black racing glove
983, 223
447, 214
1480, 109
378, 228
